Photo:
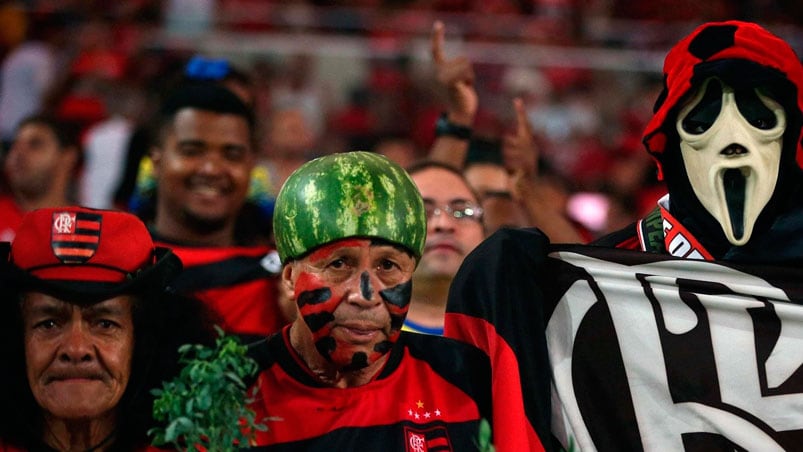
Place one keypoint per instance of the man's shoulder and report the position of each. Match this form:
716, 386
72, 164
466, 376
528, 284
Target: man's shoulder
509, 246
194, 255
7, 204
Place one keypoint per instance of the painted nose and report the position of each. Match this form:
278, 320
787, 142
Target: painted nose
364, 292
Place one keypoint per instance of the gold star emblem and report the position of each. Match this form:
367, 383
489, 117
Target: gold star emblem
419, 404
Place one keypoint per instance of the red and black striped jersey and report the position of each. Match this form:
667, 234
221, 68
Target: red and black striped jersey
239, 283
496, 304
430, 396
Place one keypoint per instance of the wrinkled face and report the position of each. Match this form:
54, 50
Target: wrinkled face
78, 358
449, 239
203, 168
34, 159
353, 295
731, 146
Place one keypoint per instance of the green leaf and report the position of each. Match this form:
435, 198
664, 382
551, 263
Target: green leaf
206, 404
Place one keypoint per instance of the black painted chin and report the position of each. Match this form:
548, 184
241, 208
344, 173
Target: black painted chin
326, 346
358, 361
734, 183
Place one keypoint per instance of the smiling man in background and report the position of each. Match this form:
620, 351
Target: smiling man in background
202, 161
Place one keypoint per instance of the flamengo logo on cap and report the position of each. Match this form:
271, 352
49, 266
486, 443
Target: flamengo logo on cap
75, 236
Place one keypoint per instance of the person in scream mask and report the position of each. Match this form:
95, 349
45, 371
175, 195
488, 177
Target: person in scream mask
350, 229
681, 331
726, 136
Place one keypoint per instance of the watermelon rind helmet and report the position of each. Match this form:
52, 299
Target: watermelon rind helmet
352, 194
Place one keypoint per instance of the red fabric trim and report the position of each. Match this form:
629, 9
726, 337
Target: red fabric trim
679, 241
511, 429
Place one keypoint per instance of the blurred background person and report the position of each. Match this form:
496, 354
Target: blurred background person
454, 228
40, 170
29, 67
202, 158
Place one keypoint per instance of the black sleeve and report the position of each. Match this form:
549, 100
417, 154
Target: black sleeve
496, 304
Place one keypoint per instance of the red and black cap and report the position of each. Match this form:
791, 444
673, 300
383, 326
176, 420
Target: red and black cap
86, 255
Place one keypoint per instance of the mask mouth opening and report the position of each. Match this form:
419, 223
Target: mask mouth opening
734, 183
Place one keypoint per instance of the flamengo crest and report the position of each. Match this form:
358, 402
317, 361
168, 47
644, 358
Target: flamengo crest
75, 236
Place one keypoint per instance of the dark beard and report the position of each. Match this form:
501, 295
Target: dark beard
203, 225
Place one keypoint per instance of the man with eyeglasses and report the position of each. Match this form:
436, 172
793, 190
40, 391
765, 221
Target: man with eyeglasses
454, 228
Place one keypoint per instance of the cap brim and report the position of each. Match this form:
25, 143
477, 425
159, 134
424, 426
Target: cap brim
152, 279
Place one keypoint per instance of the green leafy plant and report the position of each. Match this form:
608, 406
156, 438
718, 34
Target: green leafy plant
205, 406
484, 440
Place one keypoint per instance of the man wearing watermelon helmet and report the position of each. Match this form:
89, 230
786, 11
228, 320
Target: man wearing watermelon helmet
350, 229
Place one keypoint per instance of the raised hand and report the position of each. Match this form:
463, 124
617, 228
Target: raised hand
457, 75
519, 150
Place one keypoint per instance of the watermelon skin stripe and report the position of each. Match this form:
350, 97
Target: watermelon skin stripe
346, 195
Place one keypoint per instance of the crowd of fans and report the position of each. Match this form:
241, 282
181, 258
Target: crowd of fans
102, 68
126, 107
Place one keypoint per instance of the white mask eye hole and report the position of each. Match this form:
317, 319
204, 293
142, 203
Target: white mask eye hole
754, 110
704, 109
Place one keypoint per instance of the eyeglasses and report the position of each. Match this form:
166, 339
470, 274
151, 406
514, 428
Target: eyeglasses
460, 210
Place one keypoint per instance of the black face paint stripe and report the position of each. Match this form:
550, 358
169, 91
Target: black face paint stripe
316, 296
396, 321
365, 286
326, 346
318, 320
398, 295
358, 361
383, 347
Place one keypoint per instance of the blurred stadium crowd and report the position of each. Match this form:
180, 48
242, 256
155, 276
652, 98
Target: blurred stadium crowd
356, 75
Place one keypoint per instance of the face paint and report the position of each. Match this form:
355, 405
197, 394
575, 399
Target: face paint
398, 302
326, 251
354, 295
731, 146
365, 286
316, 302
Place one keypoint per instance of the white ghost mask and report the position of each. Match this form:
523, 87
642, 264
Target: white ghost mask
731, 144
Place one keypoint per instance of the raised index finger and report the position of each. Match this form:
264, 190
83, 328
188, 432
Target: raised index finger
437, 41
522, 123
